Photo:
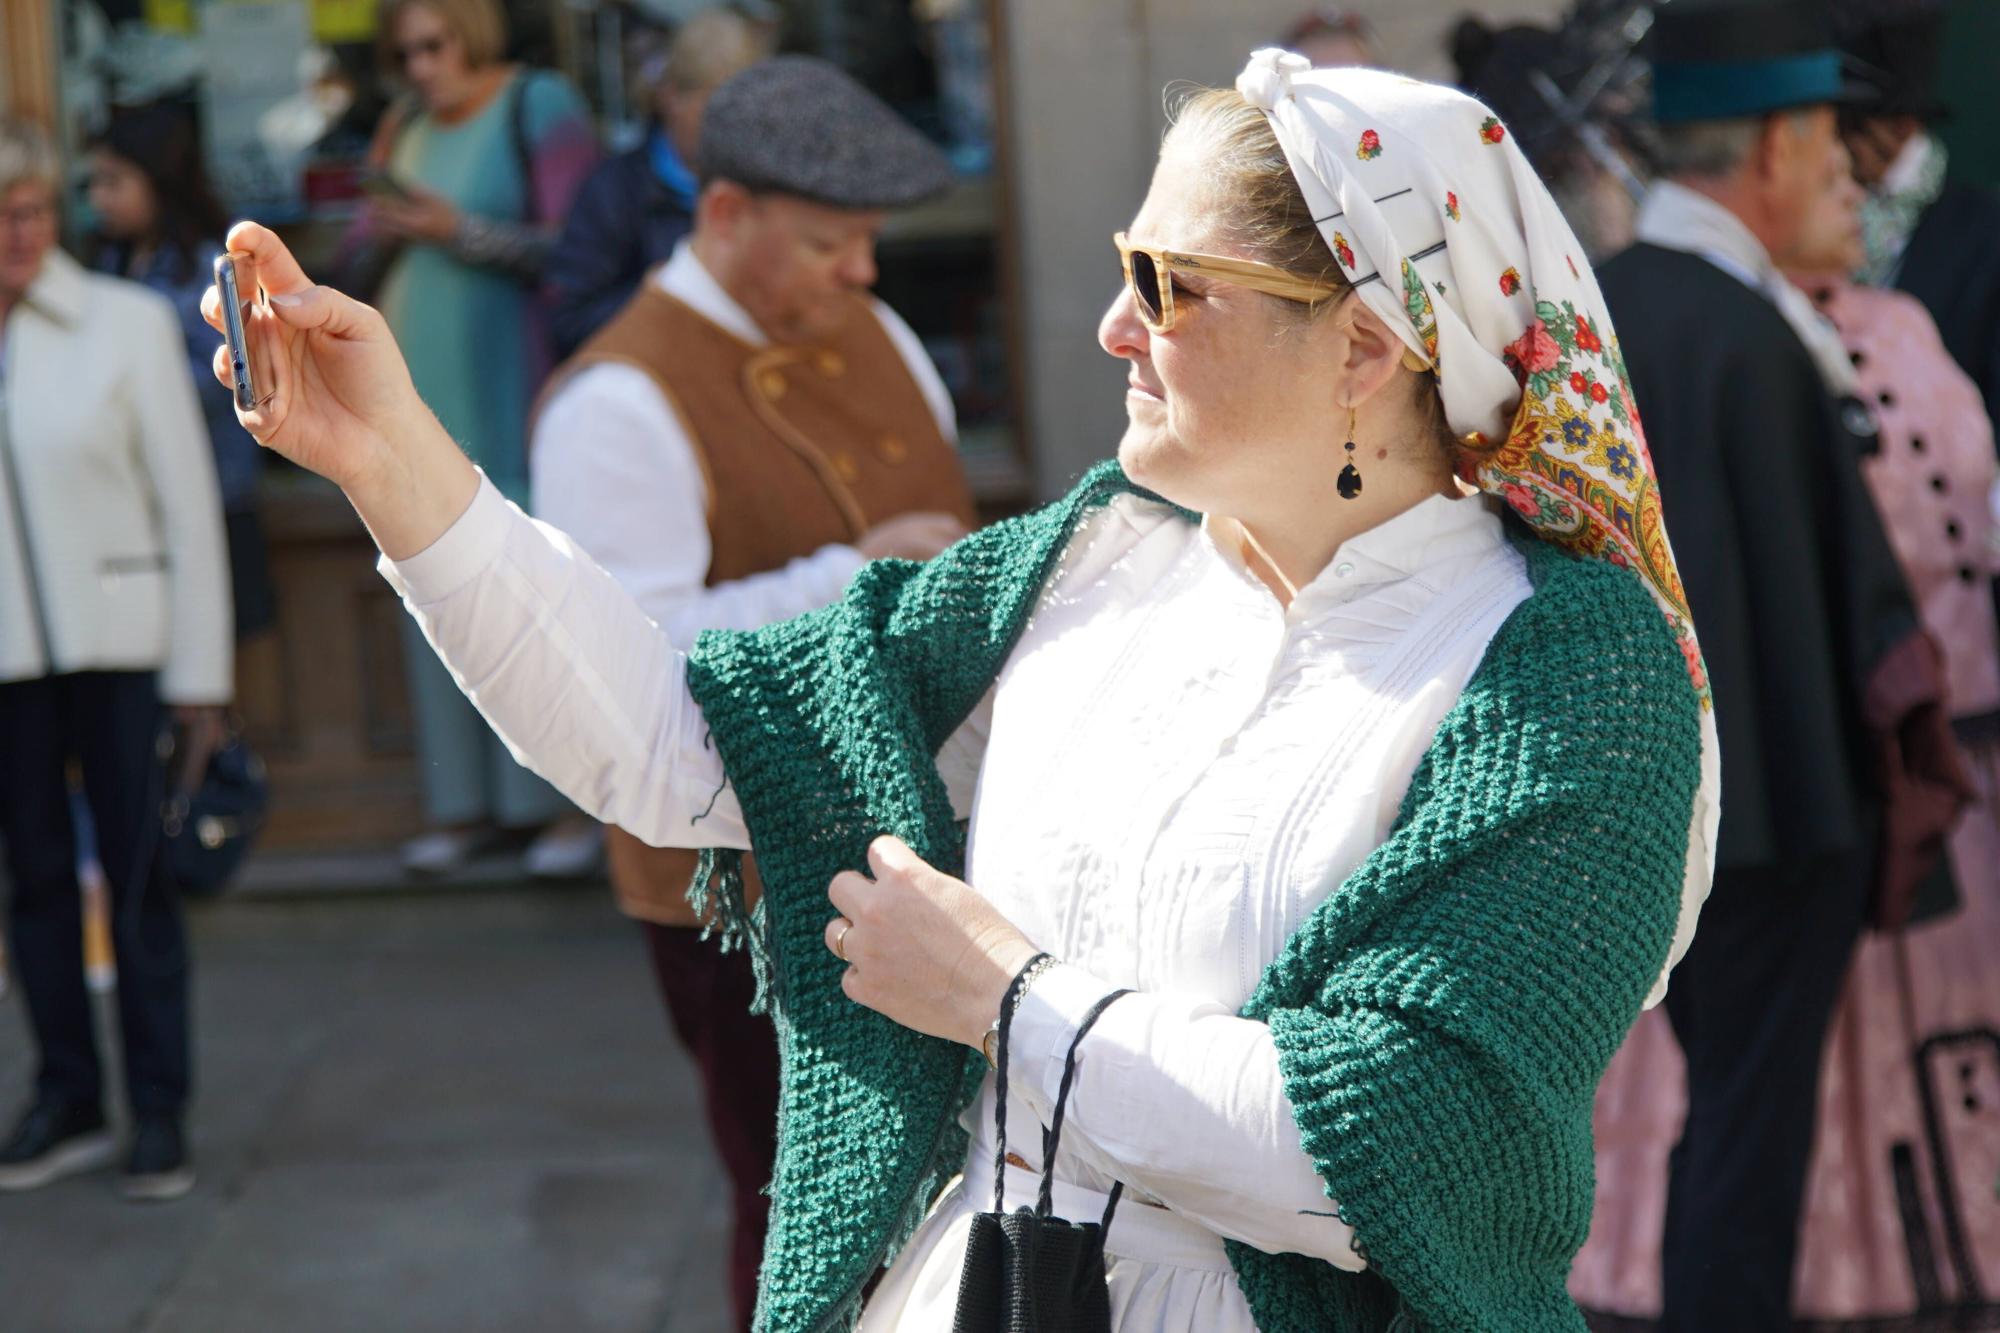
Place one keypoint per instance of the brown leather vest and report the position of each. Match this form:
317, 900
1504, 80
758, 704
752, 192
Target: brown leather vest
800, 446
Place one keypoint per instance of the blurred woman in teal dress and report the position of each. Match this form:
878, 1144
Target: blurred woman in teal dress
470, 177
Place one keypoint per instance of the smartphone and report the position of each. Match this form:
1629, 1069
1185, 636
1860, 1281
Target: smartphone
386, 185
232, 333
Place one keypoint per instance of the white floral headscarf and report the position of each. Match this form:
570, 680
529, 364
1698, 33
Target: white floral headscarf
1452, 239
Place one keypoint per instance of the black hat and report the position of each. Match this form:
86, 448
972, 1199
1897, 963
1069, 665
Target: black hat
1898, 48
799, 125
1720, 59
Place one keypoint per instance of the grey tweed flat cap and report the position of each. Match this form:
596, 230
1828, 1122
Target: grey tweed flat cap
800, 125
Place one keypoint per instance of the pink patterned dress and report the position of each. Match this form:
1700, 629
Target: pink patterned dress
1902, 1210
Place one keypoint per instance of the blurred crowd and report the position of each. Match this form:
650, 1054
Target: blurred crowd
673, 355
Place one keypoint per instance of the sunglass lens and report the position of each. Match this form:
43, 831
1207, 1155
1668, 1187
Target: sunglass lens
1146, 284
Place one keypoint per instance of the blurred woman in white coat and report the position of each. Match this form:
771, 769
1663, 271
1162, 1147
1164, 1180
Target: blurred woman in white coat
114, 606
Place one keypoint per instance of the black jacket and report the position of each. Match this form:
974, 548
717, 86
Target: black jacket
1952, 265
622, 224
1795, 592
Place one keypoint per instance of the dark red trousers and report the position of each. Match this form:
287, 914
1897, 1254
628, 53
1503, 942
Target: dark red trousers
708, 996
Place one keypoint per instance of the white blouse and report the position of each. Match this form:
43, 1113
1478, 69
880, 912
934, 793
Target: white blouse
1171, 772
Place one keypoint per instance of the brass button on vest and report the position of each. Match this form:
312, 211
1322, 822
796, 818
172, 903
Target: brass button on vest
891, 450
846, 468
771, 383
832, 365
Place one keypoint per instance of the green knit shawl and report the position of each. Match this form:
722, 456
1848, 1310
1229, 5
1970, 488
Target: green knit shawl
1442, 1019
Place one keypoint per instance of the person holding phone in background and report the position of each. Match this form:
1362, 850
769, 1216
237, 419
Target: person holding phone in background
159, 224
114, 600
473, 173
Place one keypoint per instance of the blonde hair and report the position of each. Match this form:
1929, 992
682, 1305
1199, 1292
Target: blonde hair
27, 154
479, 25
1266, 212
713, 47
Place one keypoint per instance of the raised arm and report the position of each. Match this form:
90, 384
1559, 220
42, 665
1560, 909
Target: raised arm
572, 675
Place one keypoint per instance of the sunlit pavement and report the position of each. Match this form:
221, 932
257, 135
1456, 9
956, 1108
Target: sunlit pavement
449, 1110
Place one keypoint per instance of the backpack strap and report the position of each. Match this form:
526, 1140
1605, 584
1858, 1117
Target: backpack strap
517, 128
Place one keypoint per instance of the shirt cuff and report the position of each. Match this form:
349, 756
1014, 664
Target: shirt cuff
840, 563
1045, 1023
466, 550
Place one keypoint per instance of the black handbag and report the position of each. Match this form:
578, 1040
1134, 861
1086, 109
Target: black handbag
206, 832
1028, 1271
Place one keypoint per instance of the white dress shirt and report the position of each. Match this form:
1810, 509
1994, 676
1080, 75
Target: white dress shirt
612, 462
1171, 773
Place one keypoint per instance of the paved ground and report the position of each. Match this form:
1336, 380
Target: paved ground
449, 1111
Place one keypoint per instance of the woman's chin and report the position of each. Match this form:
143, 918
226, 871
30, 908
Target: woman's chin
1151, 459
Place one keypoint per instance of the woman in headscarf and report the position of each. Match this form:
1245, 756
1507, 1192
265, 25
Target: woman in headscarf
1391, 815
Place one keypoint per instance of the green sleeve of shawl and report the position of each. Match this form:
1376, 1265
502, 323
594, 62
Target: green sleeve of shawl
1444, 1019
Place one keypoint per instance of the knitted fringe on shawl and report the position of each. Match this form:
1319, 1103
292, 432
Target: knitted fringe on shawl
718, 896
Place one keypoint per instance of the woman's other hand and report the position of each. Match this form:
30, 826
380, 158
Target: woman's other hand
915, 536
921, 947
203, 729
335, 397
421, 215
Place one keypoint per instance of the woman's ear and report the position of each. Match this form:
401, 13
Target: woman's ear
1371, 354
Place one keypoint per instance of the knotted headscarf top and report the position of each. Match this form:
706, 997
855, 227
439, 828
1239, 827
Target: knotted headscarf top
1445, 230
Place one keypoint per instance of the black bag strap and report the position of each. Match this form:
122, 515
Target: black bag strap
1045, 1204
1007, 1004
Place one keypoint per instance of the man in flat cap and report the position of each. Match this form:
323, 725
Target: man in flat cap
748, 431
1743, 392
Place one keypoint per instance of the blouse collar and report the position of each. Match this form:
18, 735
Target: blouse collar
1425, 541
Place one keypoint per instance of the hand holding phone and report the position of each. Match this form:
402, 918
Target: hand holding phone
383, 185
233, 336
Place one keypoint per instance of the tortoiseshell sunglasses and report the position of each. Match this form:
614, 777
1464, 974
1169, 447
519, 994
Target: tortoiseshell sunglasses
1148, 270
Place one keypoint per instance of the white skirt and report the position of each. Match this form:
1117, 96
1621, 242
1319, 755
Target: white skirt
1166, 1273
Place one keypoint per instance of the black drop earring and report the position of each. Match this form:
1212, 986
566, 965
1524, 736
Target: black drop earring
1349, 481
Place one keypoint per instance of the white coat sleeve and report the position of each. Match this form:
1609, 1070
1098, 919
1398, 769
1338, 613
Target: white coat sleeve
584, 689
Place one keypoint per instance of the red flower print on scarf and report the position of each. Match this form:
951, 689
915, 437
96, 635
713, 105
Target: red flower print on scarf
1598, 393
1491, 130
1692, 653
1340, 248
1572, 268
1451, 205
1371, 146
1524, 501
1577, 383
1510, 282
1586, 337
1533, 352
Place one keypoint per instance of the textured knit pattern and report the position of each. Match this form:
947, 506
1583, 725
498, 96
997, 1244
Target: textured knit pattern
1442, 1020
